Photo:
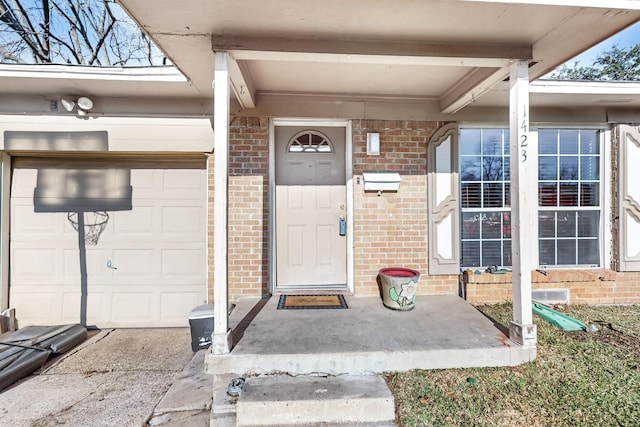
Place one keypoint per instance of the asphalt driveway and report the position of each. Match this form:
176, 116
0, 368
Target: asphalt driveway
118, 377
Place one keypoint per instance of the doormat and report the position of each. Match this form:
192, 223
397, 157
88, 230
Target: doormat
303, 302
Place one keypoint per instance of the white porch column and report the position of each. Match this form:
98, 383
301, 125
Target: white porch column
524, 205
221, 341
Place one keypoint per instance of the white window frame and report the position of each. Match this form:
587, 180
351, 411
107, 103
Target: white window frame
605, 202
480, 210
605, 236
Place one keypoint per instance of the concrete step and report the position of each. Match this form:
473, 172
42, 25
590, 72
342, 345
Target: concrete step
309, 400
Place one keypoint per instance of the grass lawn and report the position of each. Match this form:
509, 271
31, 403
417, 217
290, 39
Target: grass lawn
577, 379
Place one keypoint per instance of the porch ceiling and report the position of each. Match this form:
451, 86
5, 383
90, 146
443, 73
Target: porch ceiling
447, 51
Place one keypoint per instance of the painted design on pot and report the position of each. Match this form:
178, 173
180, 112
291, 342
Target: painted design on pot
407, 293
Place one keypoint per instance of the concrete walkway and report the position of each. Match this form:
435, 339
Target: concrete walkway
122, 377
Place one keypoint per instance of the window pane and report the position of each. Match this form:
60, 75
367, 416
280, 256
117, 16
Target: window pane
547, 141
548, 194
569, 194
470, 142
589, 141
470, 195
506, 253
568, 168
568, 141
491, 253
507, 194
492, 168
471, 254
567, 252
548, 168
590, 168
492, 196
546, 224
590, 194
547, 252
566, 224
588, 223
507, 168
470, 225
506, 225
588, 252
491, 142
470, 168
491, 225
506, 150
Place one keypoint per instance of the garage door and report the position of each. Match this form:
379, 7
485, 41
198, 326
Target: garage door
148, 268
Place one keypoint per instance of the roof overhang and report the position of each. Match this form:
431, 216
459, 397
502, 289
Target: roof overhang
450, 52
415, 59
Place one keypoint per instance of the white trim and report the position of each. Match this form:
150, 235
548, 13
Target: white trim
350, 223
348, 188
125, 134
44, 71
593, 4
221, 343
310, 122
606, 234
272, 207
5, 208
524, 216
556, 87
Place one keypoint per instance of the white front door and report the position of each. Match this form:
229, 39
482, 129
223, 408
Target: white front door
311, 247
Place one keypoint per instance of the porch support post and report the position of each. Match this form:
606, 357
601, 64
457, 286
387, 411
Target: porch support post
221, 340
524, 205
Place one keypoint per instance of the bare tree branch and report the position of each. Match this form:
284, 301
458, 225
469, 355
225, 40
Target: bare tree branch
85, 32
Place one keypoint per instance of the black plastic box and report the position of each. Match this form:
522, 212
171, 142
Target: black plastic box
201, 324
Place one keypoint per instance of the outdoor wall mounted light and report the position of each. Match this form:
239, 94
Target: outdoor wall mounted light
373, 144
84, 105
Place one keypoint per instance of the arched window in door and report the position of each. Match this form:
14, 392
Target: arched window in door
309, 141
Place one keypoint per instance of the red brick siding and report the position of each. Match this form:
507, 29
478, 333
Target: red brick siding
248, 211
585, 286
390, 230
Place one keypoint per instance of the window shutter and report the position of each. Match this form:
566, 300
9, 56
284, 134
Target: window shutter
442, 187
628, 198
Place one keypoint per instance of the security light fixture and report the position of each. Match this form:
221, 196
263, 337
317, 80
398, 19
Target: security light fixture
68, 105
83, 103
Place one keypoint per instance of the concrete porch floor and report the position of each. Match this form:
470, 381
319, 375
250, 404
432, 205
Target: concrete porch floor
441, 332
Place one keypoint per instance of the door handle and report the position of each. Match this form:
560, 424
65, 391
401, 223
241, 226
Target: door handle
342, 226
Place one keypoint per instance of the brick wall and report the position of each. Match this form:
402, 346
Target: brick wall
390, 230
248, 217
585, 286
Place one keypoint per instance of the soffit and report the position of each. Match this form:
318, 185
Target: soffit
351, 29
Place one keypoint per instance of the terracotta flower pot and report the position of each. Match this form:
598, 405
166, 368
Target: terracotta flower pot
399, 286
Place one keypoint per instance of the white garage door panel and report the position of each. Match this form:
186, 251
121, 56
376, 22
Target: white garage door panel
157, 254
182, 262
95, 264
134, 263
182, 220
32, 262
136, 221
129, 307
178, 305
39, 305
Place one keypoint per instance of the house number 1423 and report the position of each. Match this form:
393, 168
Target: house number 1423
523, 137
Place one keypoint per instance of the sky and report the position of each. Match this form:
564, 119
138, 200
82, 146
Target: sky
625, 38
